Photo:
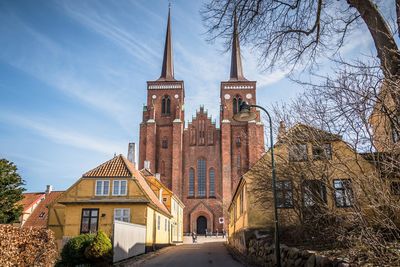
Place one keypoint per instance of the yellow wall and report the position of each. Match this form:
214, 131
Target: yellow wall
345, 164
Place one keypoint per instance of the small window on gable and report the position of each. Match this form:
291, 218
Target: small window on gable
298, 152
119, 187
321, 152
166, 105
102, 188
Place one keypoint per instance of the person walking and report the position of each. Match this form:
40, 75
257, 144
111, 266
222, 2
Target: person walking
194, 237
206, 233
223, 233
216, 233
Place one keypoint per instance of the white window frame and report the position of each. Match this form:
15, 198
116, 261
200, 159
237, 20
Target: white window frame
102, 188
158, 222
122, 214
119, 187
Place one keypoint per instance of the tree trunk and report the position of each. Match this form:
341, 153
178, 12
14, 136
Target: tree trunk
388, 52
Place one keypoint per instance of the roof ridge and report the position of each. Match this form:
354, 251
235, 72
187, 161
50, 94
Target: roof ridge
95, 171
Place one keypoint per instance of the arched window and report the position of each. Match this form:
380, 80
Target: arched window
237, 101
211, 177
201, 176
166, 105
191, 182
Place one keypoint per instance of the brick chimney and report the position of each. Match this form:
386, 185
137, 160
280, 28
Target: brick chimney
49, 188
147, 165
281, 130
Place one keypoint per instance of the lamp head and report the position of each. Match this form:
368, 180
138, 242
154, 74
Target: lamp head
245, 113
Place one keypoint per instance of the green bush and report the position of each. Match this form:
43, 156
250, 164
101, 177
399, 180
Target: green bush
73, 252
87, 249
100, 249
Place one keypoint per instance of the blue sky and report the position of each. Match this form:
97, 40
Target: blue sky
73, 79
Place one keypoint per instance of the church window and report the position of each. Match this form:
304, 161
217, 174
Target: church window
237, 101
238, 162
211, 176
201, 176
238, 142
191, 182
166, 105
162, 168
192, 136
210, 136
164, 143
201, 132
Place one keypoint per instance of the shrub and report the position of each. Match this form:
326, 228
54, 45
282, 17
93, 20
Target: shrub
87, 249
100, 249
73, 253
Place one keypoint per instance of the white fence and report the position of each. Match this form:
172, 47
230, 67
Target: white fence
128, 240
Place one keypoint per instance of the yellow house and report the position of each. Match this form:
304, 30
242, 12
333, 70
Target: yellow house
313, 168
115, 190
171, 201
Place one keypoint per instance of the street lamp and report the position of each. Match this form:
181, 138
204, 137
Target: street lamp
245, 114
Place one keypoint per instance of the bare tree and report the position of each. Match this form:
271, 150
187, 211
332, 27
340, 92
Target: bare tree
289, 32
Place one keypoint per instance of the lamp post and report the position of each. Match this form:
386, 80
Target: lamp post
245, 114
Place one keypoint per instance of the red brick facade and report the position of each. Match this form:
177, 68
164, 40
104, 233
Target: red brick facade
200, 151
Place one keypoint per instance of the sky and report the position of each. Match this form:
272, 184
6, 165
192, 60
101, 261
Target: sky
73, 79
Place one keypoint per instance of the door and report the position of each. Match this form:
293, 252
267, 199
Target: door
201, 225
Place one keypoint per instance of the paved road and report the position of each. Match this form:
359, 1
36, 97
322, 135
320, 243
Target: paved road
210, 253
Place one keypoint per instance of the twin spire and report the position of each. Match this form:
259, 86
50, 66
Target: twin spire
167, 71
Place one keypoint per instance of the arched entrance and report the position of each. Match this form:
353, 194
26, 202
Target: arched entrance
201, 225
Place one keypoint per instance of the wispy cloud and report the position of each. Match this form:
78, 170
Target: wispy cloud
64, 136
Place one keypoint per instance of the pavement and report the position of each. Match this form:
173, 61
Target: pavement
210, 251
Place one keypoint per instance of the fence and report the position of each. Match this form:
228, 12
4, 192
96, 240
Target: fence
128, 240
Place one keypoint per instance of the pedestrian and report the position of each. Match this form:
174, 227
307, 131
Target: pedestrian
223, 233
216, 233
206, 233
194, 237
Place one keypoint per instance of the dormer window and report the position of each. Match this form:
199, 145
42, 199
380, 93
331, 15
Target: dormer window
102, 188
166, 105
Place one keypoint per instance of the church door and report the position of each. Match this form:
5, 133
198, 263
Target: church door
201, 225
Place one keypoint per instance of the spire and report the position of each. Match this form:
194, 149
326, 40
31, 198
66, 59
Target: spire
167, 72
236, 61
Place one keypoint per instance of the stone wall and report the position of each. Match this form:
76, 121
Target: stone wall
262, 253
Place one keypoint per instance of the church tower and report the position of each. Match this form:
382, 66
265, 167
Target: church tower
161, 131
242, 143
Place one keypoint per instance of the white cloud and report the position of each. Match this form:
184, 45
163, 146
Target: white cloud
64, 136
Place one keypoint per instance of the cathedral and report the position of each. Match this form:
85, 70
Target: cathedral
200, 162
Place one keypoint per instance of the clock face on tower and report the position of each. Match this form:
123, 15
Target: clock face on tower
249, 96
227, 96
154, 96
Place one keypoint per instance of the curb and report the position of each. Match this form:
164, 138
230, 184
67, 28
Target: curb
140, 259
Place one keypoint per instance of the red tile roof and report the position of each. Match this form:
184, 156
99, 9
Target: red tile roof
119, 166
115, 167
38, 218
30, 199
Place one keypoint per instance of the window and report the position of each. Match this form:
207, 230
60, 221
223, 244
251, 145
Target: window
201, 176
119, 187
314, 193
191, 182
238, 142
395, 188
210, 135
89, 220
237, 101
164, 143
298, 152
165, 224
284, 194
323, 151
158, 222
211, 176
238, 162
241, 201
166, 105
343, 193
192, 135
201, 132
122, 215
102, 187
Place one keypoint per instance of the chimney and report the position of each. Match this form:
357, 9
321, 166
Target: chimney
158, 176
147, 165
49, 188
281, 130
132, 153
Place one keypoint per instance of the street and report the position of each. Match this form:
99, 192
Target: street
207, 252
